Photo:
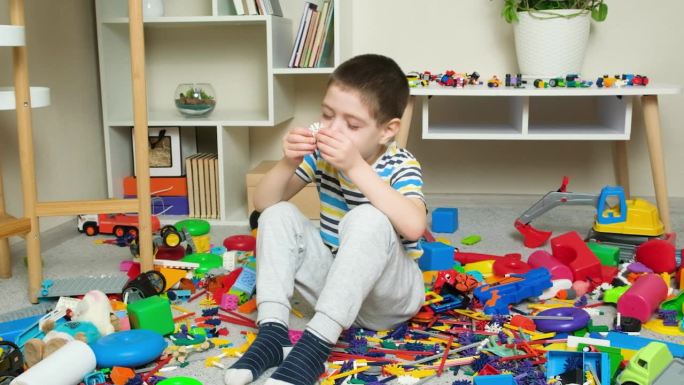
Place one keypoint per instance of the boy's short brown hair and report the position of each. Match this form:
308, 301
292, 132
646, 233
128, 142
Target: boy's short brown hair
380, 81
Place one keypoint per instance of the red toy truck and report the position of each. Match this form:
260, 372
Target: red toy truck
117, 224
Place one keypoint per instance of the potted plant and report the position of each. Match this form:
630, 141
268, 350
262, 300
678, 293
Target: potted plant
551, 35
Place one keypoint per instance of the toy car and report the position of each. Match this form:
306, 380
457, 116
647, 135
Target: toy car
494, 82
117, 224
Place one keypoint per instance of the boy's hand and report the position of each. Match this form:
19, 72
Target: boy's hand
298, 143
338, 150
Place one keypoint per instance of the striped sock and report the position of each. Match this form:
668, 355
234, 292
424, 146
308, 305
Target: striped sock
268, 350
305, 363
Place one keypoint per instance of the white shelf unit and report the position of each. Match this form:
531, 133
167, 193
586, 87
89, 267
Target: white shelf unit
482, 113
245, 60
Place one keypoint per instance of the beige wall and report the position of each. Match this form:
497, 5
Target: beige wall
68, 138
466, 35
434, 35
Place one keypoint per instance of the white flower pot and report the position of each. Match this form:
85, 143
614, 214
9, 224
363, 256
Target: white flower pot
550, 46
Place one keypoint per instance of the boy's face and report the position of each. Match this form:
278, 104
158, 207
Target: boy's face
343, 110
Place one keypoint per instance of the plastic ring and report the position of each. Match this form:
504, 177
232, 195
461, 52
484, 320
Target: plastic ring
580, 319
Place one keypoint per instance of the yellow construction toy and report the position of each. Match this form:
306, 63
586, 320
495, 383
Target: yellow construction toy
617, 219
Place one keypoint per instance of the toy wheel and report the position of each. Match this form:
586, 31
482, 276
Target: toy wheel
170, 236
119, 231
90, 229
157, 280
133, 231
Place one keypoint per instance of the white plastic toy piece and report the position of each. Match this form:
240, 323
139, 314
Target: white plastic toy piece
314, 128
71, 362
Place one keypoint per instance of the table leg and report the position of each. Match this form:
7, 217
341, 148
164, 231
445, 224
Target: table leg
5, 257
655, 151
402, 135
621, 165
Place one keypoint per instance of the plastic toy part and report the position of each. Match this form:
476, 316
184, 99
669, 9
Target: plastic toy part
179, 381
580, 319
436, 256
643, 298
196, 227
495, 379
497, 296
605, 216
646, 365
657, 254
444, 220
240, 242
131, 348
153, 313
541, 258
571, 250
510, 265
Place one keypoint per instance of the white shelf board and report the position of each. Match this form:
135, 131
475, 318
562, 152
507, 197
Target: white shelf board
219, 117
40, 97
489, 131
483, 90
303, 71
12, 36
191, 20
575, 132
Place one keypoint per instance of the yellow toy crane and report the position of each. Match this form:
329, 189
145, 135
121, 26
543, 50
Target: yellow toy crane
631, 221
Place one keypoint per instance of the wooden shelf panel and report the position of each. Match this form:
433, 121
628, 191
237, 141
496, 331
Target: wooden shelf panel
11, 226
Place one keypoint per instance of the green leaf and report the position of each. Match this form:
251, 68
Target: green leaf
509, 13
600, 13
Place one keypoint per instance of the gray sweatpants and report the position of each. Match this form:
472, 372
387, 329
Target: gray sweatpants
370, 283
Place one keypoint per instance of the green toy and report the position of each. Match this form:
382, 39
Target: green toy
179, 381
608, 255
196, 227
646, 365
206, 262
471, 240
152, 313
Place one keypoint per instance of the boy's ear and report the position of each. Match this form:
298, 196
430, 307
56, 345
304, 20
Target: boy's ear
390, 130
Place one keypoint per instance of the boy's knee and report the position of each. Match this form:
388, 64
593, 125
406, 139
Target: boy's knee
366, 216
278, 211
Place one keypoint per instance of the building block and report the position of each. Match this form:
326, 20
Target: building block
68, 287
570, 249
607, 255
496, 379
657, 254
436, 256
152, 313
444, 220
172, 276
643, 298
246, 281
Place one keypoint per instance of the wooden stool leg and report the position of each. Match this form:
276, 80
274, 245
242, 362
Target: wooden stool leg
655, 151
402, 135
5, 257
621, 165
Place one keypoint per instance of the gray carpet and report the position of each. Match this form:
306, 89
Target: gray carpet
66, 253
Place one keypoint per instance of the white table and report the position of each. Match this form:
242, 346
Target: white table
547, 114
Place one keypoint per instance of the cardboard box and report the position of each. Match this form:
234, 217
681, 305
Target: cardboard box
306, 200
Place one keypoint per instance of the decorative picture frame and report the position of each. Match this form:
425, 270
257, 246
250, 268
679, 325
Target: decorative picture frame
164, 151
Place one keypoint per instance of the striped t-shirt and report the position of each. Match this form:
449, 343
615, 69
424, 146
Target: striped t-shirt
398, 167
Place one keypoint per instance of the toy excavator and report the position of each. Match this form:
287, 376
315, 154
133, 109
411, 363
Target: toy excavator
637, 218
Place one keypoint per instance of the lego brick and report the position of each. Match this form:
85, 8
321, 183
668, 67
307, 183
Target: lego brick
67, 287
444, 220
159, 186
436, 256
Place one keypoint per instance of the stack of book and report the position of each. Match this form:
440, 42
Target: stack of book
257, 7
314, 37
203, 189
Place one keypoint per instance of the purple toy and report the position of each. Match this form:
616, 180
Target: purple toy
643, 298
580, 319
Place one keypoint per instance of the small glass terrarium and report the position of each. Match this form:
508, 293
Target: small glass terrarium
195, 99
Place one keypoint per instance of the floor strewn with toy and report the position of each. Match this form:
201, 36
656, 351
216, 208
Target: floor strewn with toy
484, 321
